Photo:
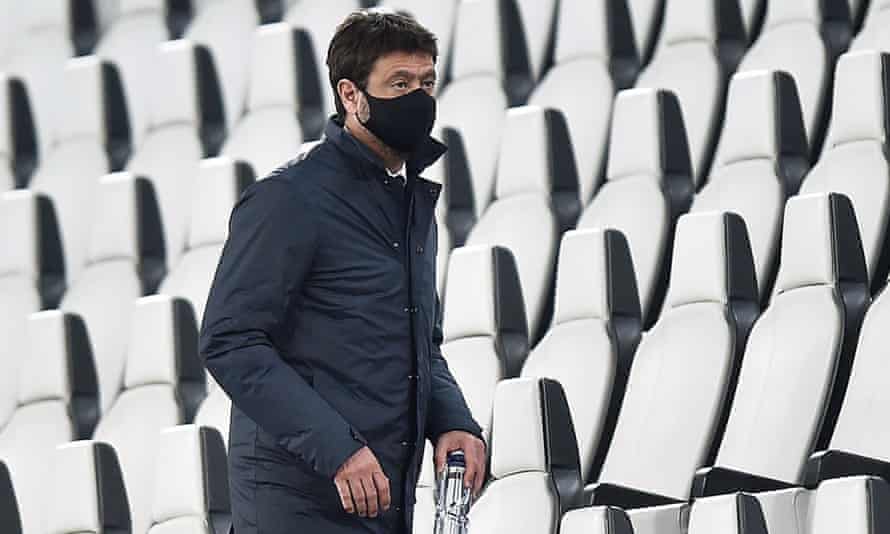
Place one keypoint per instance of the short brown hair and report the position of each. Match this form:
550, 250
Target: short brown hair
367, 35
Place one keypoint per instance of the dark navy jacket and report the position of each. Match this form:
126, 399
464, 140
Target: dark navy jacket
323, 327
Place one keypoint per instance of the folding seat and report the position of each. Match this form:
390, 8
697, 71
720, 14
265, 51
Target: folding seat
125, 261
130, 43
319, 20
87, 492
485, 334
438, 17
803, 38
760, 161
31, 278
873, 35
220, 181
186, 125
223, 27
855, 161
648, 185
797, 364
539, 29
17, 150
595, 331
191, 491
269, 133
666, 427
534, 461
90, 139
9, 508
163, 385
647, 17
594, 44
752, 15
536, 199
57, 403
475, 101
698, 50
215, 410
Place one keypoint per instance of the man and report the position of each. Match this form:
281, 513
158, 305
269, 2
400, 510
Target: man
323, 322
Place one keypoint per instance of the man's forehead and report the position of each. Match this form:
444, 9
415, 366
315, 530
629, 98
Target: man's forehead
419, 62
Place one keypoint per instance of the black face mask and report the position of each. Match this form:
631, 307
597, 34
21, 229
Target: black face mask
402, 123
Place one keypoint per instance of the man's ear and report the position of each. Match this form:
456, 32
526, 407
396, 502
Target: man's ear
349, 95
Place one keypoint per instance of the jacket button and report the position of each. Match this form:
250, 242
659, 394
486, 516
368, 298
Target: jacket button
404, 444
395, 244
419, 249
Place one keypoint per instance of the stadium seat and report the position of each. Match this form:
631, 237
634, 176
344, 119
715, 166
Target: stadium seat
163, 385
797, 363
215, 411
9, 508
220, 181
855, 505
666, 428
595, 331
124, 262
738, 513
646, 17
648, 185
855, 160
90, 140
31, 278
474, 102
57, 403
18, 152
534, 461
761, 160
593, 45
698, 50
87, 492
752, 15
225, 27
874, 35
269, 133
191, 491
803, 38
185, 126
319, 19
438, 17
539, 29
536, 199
595, 520
130, 43
485, 333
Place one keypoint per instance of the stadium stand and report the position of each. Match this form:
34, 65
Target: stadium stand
695, 371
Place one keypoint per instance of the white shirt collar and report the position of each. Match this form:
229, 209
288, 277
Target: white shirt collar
400, 174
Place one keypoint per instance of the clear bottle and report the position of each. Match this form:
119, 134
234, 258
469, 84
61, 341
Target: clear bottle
452, 497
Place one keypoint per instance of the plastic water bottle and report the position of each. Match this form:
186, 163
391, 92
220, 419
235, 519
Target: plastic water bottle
452, 497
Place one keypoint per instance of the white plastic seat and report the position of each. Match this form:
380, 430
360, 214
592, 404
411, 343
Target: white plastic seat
855, 161
77, 155
9, 508
595, 520
131, 42
761, 160
215, 410
534, 461
595, 331
536, 199
474, 103
593, 39
191, 491
125, 257
184, 127
646, 18
224, 27
163, 384
738, 513
438, 17
539, 25
648, 185
87, 492
269, 133
698, 49
57, 403
220, 181
799, 353
857, 505
485, 333
874, 34
792, 40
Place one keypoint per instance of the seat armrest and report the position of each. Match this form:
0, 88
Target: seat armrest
826, 465
603, 494
711, 481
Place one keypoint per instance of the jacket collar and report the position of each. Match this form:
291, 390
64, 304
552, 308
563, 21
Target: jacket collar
430, 151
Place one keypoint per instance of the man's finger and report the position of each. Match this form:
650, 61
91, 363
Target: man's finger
345, 496
441, 455
358, 496
478, 476
382, 484
371, 494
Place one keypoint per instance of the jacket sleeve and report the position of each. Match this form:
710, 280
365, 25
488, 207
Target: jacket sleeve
448, 409
268, 254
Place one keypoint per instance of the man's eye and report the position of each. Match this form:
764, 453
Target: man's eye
400, 85
430, 84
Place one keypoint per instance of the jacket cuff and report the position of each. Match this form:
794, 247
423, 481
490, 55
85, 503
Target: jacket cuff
330, 456
470, 427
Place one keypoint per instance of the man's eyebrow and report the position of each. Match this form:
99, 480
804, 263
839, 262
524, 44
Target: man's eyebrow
405, 73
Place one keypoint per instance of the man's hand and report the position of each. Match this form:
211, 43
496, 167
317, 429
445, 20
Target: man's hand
362, 486
474, 453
